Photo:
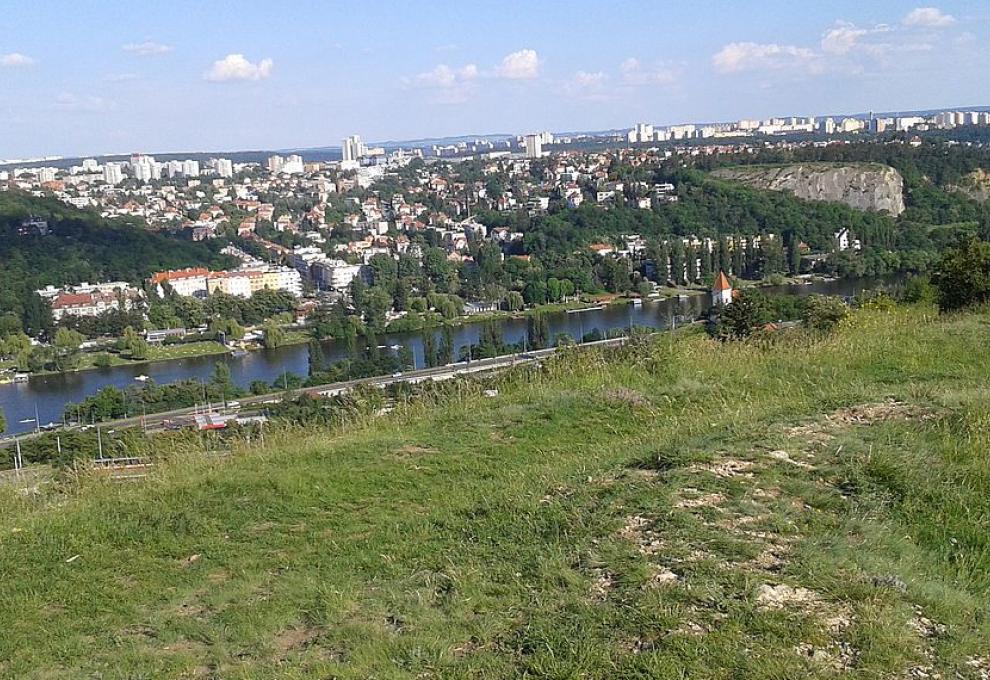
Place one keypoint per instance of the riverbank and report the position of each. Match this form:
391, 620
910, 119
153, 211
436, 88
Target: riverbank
103, 360
299, 335
51, 392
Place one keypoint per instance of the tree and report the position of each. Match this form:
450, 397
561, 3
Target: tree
538, 331
430, 356
963, 276
317, 360
221, 379
738, 257
3, 422
274, 335
135, 345
920, 289
228, 328
740, 317
692, 263
663, 264
514, 301
66, 346
793, 256
447, 348
823, 313
407, 359
490, 340
677, 262
384, 270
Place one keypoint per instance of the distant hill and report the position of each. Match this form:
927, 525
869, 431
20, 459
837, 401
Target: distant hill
798, 507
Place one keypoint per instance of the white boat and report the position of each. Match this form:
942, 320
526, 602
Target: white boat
21, 377
637, 302
142, 378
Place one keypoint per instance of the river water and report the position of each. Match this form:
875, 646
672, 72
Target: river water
47, 395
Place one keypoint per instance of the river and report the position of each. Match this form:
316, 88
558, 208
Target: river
47, 395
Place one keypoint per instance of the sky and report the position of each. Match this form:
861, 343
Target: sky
90, 77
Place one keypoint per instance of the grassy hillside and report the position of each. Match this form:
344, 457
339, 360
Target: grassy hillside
784, 509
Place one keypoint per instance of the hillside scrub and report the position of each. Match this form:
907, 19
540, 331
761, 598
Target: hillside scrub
797, 505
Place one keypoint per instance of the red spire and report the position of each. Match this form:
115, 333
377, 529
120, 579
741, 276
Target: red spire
721, 282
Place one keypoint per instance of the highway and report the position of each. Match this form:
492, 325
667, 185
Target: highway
157, 421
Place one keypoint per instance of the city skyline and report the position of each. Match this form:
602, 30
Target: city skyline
168, 81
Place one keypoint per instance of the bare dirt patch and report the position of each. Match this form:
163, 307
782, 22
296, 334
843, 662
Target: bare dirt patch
697, 499
782, 596
785, 457
823, 431
413, 450
867, 414
663, 577
623, 396
639, 531
725, 468
295, 638
601, 584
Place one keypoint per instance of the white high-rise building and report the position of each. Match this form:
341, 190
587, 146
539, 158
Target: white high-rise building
293, 165
641, 134
174, 168
112, 174
224, 167
534, 146
46, 174
275, 164
142, 172
190, 168
352, 149
90, 165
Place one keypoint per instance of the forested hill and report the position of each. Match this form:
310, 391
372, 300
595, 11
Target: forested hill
81, 246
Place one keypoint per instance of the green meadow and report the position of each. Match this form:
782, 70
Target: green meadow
792, 506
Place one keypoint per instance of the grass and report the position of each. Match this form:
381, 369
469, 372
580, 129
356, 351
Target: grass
785, 508
155, 353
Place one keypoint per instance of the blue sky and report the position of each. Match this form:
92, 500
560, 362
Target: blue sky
90, 77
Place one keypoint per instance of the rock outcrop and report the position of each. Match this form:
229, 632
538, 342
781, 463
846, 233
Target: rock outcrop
861, 186
976, 185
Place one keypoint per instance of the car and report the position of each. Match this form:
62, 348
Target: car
233, 404
397, 374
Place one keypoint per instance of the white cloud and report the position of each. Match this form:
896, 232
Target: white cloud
15, 59
237, 67
120, 77
445, 76
928, 17
521, 65
749, 56
82, 104
587, 85
634, 73
147, 48
451, 85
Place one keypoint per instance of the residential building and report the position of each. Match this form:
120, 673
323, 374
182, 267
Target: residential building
352, 149
534, 146
188, 282
112, 174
